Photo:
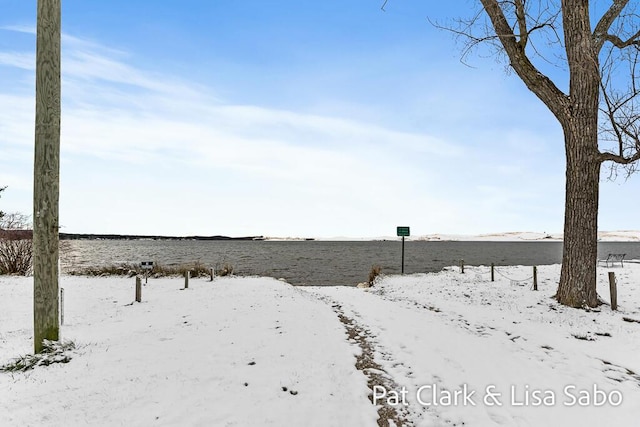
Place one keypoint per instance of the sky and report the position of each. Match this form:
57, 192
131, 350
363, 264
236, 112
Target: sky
285, 118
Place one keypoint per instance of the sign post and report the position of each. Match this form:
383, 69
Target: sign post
147, 266
403, 232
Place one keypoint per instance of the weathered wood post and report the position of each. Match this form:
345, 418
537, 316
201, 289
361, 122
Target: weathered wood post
187, 274
462, 266
613, 290
492, 271
212, 271
46, 174
138, 289
535, 278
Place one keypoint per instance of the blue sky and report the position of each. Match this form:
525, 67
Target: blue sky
284, 118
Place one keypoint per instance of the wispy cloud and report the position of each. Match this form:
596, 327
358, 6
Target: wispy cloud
25, 61
124, 126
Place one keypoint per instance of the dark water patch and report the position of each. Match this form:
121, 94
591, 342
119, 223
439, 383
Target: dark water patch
322, 262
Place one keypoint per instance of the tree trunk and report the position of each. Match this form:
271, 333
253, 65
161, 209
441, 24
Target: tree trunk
577, 286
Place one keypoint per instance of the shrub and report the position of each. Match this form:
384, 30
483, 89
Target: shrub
197, 269
376, 270
16, 248
226, 269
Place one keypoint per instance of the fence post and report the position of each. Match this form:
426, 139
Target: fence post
138, 289
187, 274
613, 290
212, 274
492, 269
462, 266
535, 278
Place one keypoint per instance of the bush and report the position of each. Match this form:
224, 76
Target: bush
197, 269
226, 269
15, 256
376, 270
16, 246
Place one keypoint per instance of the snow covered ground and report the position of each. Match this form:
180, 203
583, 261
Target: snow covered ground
443, 349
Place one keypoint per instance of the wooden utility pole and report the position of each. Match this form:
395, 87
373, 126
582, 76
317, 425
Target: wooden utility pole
46, 174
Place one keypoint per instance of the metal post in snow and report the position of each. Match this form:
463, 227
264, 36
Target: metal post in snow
402, 270
403, 232
62, 306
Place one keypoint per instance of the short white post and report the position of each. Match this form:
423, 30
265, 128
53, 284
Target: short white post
62, 306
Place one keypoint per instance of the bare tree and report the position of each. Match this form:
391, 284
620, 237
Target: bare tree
598, 112
46, 181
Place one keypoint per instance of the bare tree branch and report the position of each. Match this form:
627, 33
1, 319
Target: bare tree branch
619, 43
619, 159
537, 82
522, 23
607, 20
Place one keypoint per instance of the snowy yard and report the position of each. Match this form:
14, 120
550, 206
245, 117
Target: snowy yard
438, 349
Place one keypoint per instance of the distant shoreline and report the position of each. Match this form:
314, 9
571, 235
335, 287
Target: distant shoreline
603, 236
87, 236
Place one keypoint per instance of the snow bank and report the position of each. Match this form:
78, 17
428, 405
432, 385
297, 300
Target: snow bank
458, 349
239, 351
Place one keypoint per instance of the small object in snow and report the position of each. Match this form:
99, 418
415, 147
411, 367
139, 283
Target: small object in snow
246, 384
629, 319
585, 337
252, 363
284, 389
293, 392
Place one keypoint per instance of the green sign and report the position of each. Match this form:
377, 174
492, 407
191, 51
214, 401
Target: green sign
403, 231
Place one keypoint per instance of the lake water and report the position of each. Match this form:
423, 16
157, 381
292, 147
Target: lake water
322, 262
